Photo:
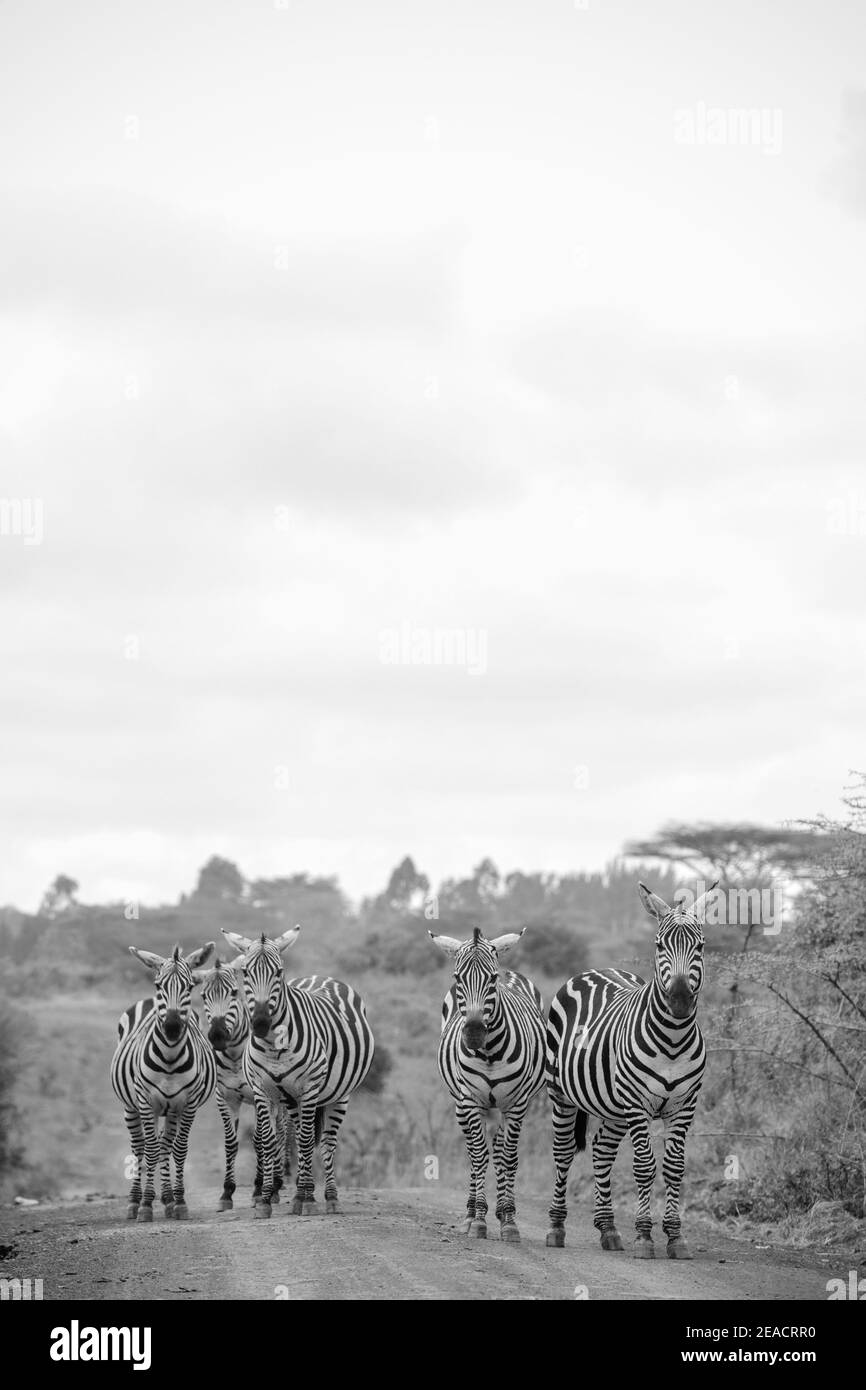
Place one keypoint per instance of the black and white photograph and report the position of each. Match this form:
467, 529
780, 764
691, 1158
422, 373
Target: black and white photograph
433, 630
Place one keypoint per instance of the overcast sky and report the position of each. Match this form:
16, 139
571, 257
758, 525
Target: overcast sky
327, 328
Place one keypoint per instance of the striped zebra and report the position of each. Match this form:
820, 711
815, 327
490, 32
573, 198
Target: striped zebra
228, 1034
492, 1059
163, 1068
310, 1046
630, 1052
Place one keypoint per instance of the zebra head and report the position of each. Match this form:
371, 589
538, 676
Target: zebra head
173, 984
476, 979
679, 962
262, 970
223, 1004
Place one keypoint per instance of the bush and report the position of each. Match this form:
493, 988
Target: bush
553, 950
793, 1189
380, 1067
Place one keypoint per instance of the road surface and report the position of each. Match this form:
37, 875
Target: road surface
387, 1245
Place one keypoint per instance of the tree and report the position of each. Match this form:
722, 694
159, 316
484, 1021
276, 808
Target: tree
471, 902
407, 888
59, 897
220, 878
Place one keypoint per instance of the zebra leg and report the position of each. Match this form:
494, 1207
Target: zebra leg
564, 1148
151, 1162
230, 1113
165, 1146
287, 1151
281, 1119
505, 1145
304, 1201
133, 1124
605, 1143
332, 1119
644, 1176
179, 1148
676, 1130
265, 1121
472, 1125
259, 1146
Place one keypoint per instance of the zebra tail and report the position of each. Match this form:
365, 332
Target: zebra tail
580, 1120
319, 1123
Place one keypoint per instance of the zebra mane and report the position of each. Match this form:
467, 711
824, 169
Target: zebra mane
476, 935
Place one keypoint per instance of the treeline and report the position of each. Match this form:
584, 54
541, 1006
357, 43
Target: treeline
68, 944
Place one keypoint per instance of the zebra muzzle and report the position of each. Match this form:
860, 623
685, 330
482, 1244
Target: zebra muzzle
261, 1023
218, 1036
173, 1025
681, 1000
474, 1032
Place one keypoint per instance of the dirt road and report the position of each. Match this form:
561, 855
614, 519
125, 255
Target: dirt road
386, 1245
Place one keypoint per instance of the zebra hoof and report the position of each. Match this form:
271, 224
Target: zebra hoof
332, 1207
225, 1204
309, 1208
611, 1240
180, 1212
132, 1211
478, 1229
678, 1250
168, 1210
275, 1196
262, 1211
466, 1226
297, 1206
555, 1237
145, 1214
644, 1248
510, 1233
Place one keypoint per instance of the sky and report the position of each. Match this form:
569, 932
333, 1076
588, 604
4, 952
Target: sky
424, 429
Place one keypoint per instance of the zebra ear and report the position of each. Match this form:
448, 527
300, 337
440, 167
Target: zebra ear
195, 959
655, 906
505, 943
235, 964
240, 943
288, 938
447, 943
699, 906
149, 959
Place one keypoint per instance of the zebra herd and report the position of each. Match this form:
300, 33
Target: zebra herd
614, 1047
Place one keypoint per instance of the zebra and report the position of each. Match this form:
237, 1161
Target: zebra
630, 1052
163, 1067
228, 1034
310, 1047
492, 1059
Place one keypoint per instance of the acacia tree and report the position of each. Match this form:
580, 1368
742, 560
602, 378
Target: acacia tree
739, 854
